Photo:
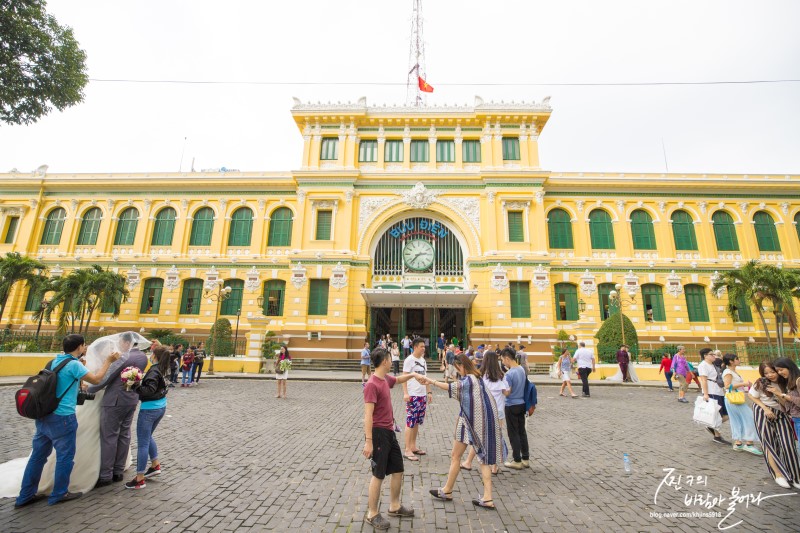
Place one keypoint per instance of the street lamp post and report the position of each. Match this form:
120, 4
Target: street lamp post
617, 301
236, 336
216, 295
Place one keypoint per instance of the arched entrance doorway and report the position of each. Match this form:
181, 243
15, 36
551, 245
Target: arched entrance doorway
419, 285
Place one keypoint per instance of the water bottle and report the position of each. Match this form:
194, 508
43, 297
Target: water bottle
626, 463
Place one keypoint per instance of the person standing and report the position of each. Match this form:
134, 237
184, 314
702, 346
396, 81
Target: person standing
515, 410
380, 440
564, 365
152, 392
406, 342
282, 377
395, 358
666, 367
450, 369
59, 429
584, 359
365, 361
186, 368
708, 373
623, 360
680, 368
774, 427
440, 345
116, 414
743, 426
416, 396
199, 358
789, 398
522, 358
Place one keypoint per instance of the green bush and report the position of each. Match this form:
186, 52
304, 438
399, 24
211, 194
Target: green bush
609, 337
270, 345
220, 342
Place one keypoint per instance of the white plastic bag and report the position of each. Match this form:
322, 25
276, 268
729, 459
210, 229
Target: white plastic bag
555, 371
706, 413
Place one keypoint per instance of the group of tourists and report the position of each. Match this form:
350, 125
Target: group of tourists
188, 362
490, 398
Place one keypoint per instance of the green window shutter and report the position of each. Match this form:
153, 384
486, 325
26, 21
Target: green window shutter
516, 232
604, 295
329, 149
54, 226
445, 151
191, 297
743, 312
419, 151
566, 301
33, 302
274, 292
653, 298
202, 227
471, 151
766, 234
797, 224
324, 220
393, 151
90, 227
520, 299
367, 151
683, 231
126, 227
696, 303
151, 296
11, 231
559, 229
280, 227
164, 227
510, 148
725, 232
600, 230
644, 237
233, 303
241, 230
318, 297
107, 306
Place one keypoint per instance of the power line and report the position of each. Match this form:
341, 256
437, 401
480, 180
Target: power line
378, 83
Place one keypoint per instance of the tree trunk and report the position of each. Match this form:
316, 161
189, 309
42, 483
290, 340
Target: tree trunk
766, 328
89, 313
779, 326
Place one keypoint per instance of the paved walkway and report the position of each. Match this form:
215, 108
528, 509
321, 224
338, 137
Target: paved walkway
238, 459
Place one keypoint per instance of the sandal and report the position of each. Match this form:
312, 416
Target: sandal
439, 494
464, 467
479, 502
411, 457
419, 452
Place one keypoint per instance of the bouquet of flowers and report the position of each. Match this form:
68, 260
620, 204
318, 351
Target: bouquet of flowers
130, 377
285, 365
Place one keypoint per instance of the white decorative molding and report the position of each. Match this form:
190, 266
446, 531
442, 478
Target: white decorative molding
299, 278
172, 279
588, 283
490, 196
469, 207
57, 271
744, 206
499, 280
631, 283
324, 204
251, 282
348, 195
369, 205
74, 205
674, 286
785, 208
133, 278
703, 206
721, 205
110, 203
338, 276
301, 196
361, 105
148, 203
515, 205
541, 278
580, 205
262, 203
212, 279
621, 206
539, 195
419, 197
715, 277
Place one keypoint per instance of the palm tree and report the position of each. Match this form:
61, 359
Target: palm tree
780, 288
105, 290
67, 300
744, 284
15, 267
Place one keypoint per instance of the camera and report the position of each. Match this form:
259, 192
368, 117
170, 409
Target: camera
83, 396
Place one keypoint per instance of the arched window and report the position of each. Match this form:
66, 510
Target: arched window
725, 232
653, 303
274, 291
126, 227
164, 227
743, 313
241, 227
191, 297
280, 227
566, 301
233, 304
797, 224
696, 303
151, 296
683, 231
604, 293
766, 234
202, 227
644, 237
559, 229
600, 230
53, 226
90, 227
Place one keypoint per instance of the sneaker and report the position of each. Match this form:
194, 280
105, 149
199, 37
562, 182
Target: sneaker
102, 483
135, 485
116, 478
738, 447
514, 465
378, 522
152, 471
752, 449
719, 440
781, 481
525, 464
683, 400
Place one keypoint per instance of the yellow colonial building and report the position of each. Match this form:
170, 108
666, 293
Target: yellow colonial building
413, 220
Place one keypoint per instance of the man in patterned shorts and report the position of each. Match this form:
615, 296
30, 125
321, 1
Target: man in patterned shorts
417, 396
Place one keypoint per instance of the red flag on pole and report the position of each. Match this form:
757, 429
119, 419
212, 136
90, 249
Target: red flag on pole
423, 85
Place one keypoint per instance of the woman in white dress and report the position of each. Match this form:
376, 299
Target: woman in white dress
87, 445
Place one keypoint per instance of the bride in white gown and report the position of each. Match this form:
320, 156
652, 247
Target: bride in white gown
87, 446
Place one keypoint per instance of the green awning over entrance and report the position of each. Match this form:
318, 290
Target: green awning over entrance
419, 298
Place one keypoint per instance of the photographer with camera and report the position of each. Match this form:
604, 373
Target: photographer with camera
59, 429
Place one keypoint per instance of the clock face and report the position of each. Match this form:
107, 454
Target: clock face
418, 255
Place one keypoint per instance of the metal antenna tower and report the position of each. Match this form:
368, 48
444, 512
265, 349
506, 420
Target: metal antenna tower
416, 58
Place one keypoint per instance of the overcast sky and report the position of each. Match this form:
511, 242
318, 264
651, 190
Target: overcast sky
127, 127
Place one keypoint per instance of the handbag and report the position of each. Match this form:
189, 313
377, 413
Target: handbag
736, 397
706, 413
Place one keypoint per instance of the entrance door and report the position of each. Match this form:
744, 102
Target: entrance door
426, 323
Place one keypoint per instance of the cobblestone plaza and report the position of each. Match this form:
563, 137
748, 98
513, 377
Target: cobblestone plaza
238, 459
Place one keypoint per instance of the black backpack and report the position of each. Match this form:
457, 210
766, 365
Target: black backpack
37, 398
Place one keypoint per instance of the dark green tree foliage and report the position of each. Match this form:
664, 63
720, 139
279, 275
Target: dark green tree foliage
609, 337
41, 64
220, 341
